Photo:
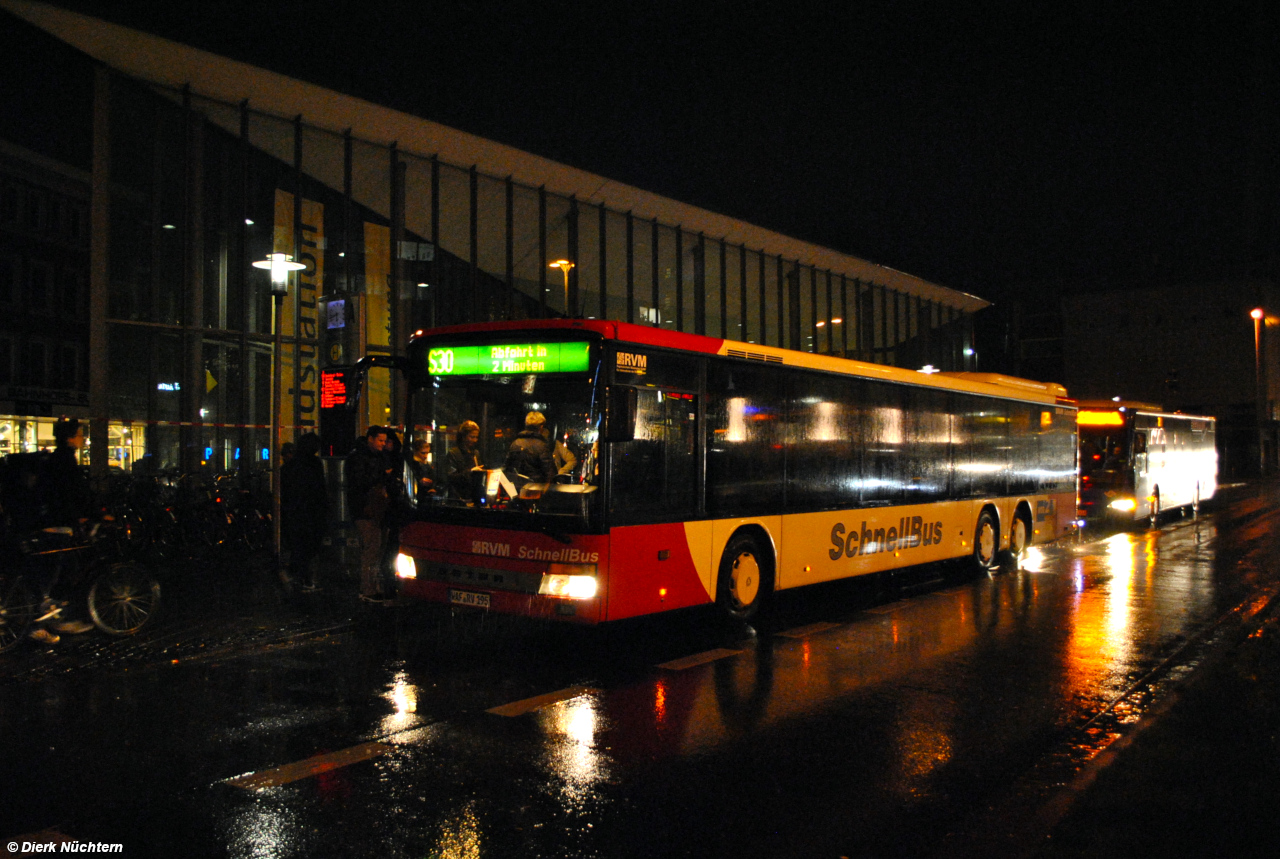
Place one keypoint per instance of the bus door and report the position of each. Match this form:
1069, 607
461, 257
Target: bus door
655, 475
1140, 454
1141, 469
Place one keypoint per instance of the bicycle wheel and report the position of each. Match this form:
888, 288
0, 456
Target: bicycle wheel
18, 604
124, 598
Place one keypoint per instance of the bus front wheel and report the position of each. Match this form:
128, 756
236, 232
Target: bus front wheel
745, 578
986, 537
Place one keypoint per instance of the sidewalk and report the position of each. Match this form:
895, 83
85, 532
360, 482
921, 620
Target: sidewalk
208, 612
1203, 777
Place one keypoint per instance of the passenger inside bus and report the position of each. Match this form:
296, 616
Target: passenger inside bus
564, 459
530, 460
466, 474
419, 469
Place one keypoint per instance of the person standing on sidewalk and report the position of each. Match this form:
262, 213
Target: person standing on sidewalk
369, 478
304, 510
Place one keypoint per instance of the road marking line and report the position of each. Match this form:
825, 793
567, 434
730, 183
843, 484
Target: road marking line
698, 659
806, 631
309, 767
528, 705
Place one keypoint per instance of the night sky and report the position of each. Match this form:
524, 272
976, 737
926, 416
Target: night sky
988, 146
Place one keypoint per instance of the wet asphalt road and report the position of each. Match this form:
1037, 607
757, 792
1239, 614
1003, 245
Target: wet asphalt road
921, 717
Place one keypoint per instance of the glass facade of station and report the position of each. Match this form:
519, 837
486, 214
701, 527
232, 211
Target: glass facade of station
173, 196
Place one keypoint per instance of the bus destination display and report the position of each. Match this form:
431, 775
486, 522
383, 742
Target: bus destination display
514, 358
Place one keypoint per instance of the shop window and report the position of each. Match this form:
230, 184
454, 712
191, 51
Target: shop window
54, 221
37, 363
8, 202
75, 228
72, 293
67, 367
6, 360
8, 278
36, 214
39, 286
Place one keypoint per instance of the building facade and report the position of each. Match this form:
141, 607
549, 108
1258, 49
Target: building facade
1190, 347
140, 180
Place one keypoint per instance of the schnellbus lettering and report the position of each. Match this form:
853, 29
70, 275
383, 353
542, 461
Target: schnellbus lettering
911, 532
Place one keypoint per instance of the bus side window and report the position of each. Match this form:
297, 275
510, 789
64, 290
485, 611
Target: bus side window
1140, 442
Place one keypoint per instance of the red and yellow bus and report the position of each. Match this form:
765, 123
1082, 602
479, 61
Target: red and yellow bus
1137, 461
696, 470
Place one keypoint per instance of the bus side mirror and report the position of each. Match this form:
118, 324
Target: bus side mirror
1140, 442
620, 413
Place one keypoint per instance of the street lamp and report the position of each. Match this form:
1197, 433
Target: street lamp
822, 323
280, 265
564, 265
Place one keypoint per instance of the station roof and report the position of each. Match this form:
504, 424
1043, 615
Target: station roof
172, 66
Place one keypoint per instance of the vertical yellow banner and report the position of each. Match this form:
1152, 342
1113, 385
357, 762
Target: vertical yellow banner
377, 279
310, 285
377, 317
299, 324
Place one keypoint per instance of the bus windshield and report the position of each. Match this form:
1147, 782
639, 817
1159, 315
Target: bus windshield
507, 444
1103, 450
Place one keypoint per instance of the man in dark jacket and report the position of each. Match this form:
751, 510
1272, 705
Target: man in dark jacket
304, 509
62, 486
65, 502
369, 478
529, 457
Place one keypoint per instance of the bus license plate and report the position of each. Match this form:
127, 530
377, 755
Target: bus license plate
469, 598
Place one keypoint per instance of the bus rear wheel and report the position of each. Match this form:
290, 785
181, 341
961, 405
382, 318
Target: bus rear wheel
986, 537
1019, 538
745, 577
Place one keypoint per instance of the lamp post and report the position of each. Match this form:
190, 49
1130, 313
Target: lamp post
564, 265
831, 337
1260, 400
280, 265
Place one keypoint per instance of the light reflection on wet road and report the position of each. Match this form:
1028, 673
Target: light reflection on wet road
852, 726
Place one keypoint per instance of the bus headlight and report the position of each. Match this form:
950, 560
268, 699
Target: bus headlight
1125, 505
569, 581
406, 567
